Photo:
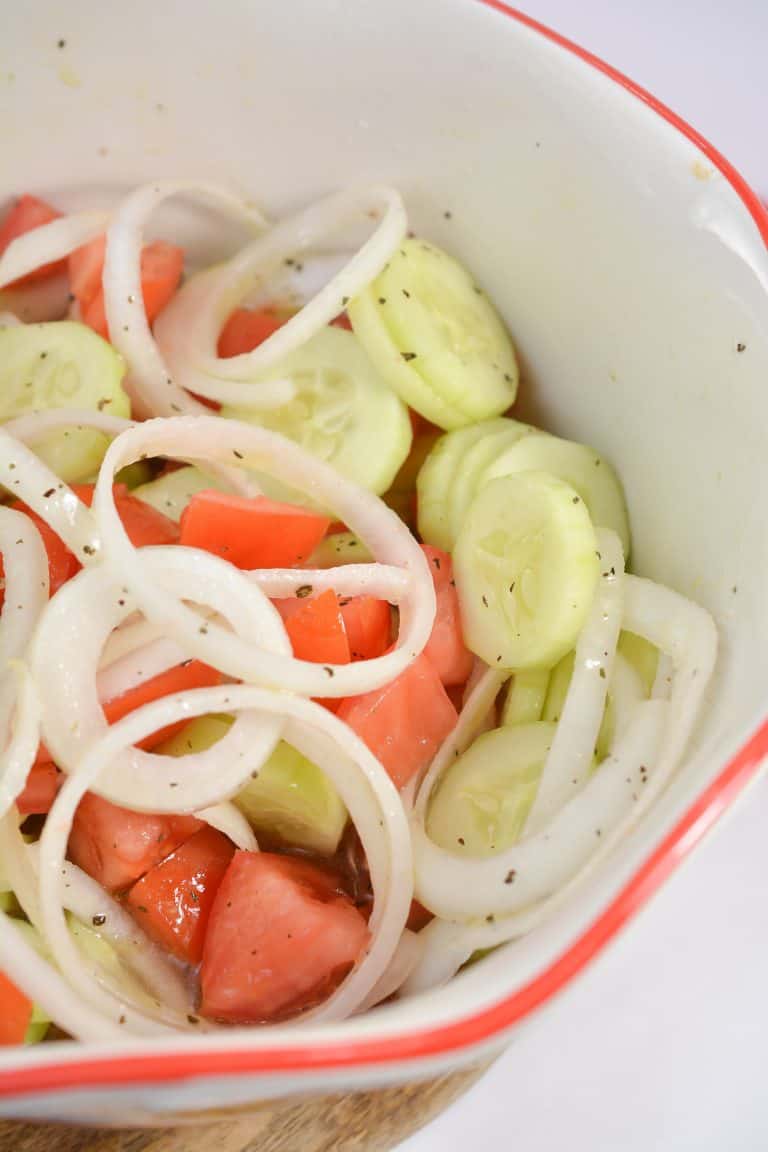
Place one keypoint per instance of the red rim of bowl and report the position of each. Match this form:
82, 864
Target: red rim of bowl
430, 1043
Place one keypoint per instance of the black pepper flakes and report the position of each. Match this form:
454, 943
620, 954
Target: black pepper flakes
239, 455
97, 921
741, 347
328, 671
408, 356
48, 493
485, 601
510, 876
304, 590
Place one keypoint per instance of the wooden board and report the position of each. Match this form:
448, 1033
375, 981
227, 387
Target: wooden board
357, 1122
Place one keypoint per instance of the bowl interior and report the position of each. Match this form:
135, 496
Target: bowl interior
632, 276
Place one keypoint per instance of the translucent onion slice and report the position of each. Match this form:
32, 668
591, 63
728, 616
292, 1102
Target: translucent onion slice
30, 480
19, 754
189, 329
362, 783
48, 243
64, 658
45, 985
151, 386
381, 530
461, 888
573, 746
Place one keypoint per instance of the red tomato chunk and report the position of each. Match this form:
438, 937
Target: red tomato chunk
173, 901
368, 623
40, 790
405, 722
445, 648
281, 938
251, 533
15, 1012
27, 214
246, 328
117, 846
315, 627
161, 267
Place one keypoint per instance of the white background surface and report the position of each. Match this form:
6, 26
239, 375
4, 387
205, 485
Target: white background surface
662, 1045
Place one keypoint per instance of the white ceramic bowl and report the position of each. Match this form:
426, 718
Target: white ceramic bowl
630, 261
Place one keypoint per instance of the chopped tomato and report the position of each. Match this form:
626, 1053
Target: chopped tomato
190, 674
368, 622
15, 1012
342, 321
40, 790
446, 648
246, 328
173, 901
315, 627
116, 846
143, 524
85, 267
161, 267
251, 532
27, 214
405, 722
280, 939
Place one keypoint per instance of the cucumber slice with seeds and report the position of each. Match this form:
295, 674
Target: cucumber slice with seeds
436, 338
436, 477
466, 482
62, 365
590, 474
342, 412
526, 569
482, 802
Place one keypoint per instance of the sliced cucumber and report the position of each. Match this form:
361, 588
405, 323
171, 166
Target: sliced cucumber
525, 697
559, 683
482, 802
436, 338
593, 477
526, 569
171, 493
642, 655
467, 481
342, 412
339, 548
290, 799
62, 365
436, 476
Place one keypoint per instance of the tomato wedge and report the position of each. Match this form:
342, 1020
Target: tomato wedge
117, 846
40, 790
173, 901
190, 674
246, 328
368, 623
251, 532
281, 937
405, 722
27, 214
445, 648
162, 265
15, 1012
315, 627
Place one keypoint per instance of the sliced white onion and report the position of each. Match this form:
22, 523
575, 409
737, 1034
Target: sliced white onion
48, 243
229, 820
382, 531
462, 888
470, 723
19, 754
137, 667
153, 391
29, 479
64, 658
626, 691
365, 788
47, 987
407, 955
188, 330
573, 745
32, 425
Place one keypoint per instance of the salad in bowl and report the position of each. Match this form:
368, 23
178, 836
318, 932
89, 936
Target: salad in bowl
321, 672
